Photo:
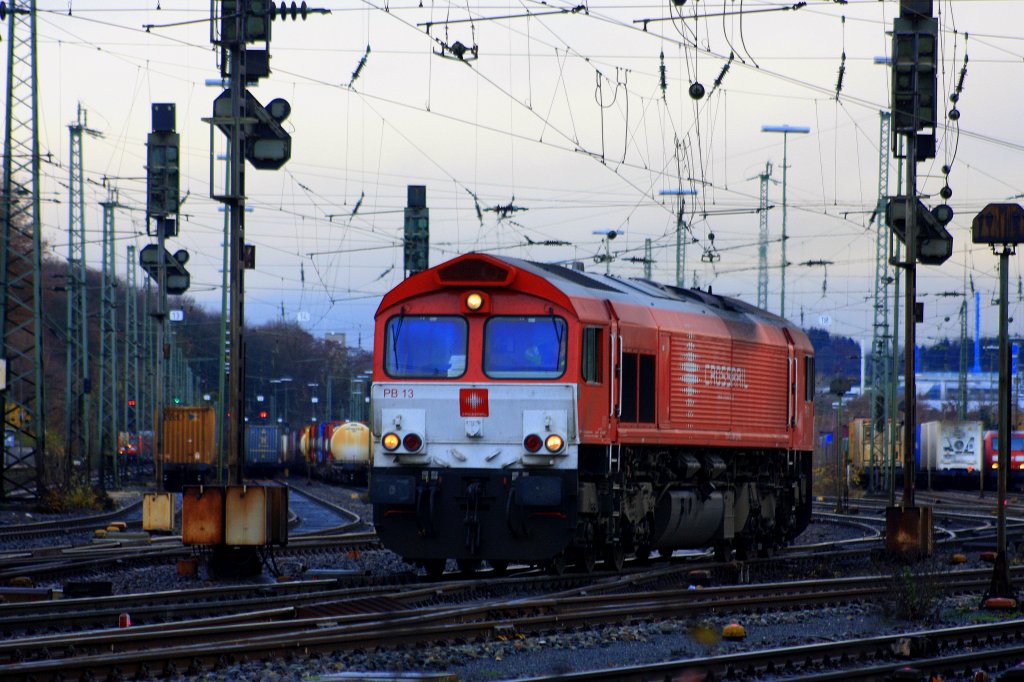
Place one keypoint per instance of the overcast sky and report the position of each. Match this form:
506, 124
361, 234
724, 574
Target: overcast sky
563, 114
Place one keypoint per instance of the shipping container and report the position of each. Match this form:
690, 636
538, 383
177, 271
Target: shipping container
861, 433
950, 446
263, 454
189, 449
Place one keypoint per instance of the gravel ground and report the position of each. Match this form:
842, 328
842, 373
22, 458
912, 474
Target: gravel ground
516, 655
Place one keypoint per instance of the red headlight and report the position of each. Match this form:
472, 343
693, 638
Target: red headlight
412, 442
532, 443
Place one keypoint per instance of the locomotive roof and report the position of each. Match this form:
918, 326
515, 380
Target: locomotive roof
573, 283
636, 290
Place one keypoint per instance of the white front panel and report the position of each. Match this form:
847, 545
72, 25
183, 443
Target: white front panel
494, 441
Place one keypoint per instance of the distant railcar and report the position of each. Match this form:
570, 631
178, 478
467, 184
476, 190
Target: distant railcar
1015, 474
949, 455
351, 451
264, 455
189, 454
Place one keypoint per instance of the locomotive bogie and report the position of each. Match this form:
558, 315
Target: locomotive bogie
510, 516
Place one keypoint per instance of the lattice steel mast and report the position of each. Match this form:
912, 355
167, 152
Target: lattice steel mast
880, 329
25, 470
107, 417
762, 239
78, 382
131, 345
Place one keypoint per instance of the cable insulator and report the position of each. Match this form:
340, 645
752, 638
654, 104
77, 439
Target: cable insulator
661, 71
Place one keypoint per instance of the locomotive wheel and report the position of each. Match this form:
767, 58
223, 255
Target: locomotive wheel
643, 554
586, 560
723, 550
468, 566
556, 564
615, 557
499, 566
434, 567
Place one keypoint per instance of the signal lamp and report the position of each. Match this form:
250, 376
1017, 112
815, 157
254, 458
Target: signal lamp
532, 443
391, 441
412, 442
554, 443
131, 403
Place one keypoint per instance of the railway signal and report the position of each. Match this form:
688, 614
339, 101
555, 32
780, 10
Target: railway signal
417, 230
268, 146
1002, 227
176, 278
934, 243
162, 176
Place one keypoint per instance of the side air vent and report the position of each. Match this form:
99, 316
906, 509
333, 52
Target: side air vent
475, 272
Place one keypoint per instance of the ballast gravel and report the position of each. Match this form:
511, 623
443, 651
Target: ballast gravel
515, 655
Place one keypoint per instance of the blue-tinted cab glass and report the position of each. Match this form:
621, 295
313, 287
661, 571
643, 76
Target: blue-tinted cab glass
425, 347
525, 347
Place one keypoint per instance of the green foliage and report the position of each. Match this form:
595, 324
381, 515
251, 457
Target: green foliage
74, 496
912, 596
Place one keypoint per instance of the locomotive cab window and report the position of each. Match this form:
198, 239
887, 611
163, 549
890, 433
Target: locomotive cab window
425, 347
591, 355
524, 347
809, 378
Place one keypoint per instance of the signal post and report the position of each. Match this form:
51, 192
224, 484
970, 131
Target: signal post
1002, 227
909, 531
236, 521
162, 201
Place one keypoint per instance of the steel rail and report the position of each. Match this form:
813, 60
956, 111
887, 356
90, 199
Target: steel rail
419, 625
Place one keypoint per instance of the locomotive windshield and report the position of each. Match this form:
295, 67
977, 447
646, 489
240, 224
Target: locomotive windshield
425, 347
524, 347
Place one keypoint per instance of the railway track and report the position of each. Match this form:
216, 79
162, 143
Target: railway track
119, 550
423, 615
67, 526
951, 653
198, 630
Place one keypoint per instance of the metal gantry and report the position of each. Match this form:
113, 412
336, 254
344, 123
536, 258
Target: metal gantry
25, 466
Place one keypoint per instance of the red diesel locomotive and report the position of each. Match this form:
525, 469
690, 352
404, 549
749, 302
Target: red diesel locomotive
526, 412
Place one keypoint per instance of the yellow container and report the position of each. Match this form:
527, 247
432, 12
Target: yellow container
190, 435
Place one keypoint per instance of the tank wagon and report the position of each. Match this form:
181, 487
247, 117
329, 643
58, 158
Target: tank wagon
350, 453
527, 412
